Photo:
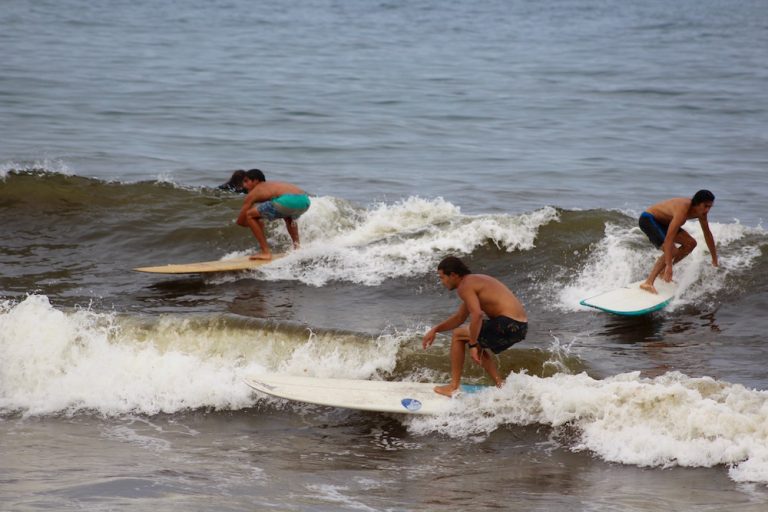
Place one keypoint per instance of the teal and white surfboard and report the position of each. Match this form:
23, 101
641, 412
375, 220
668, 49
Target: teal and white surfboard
631, 300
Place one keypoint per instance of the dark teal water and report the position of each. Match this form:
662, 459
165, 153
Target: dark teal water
502, 105
524, 136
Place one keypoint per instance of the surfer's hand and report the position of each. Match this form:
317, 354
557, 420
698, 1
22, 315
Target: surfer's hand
714, 262
667, 274
428, 339
474, 352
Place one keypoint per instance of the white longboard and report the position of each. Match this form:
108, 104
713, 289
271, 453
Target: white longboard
203, 267
631, 300
364, 395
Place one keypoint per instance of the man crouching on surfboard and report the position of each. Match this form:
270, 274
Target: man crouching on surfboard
276, 200
506, 324
663, 222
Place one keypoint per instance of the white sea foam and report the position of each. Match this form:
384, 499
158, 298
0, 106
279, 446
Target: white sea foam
167, 177
57, 362
624, 255
130, 435
54, 166
336, 494
666, 421
394, 240
64, 362
330, 358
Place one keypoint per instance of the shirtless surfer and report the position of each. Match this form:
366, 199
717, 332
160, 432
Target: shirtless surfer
276, 200
663, 222
507, 322
235, 183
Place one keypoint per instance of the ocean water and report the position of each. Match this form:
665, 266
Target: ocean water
525, 137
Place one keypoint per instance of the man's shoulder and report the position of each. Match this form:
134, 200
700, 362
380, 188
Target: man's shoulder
672, 207
673, 202
477, 280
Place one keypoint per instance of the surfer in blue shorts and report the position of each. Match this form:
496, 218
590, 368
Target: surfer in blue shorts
505, 325
276, 200
663, 222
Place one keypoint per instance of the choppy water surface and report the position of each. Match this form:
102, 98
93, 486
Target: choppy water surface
525, 137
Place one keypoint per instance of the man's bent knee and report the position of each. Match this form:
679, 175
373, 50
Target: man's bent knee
460, 334
688, 246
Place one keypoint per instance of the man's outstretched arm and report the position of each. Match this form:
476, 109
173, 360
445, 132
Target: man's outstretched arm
709, 239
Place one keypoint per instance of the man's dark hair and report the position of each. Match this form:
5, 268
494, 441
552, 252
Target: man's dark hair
453, 265
702, 196
235, 183
255, 175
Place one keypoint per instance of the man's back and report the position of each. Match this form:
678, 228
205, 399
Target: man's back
665, 211
494, 297
272, 189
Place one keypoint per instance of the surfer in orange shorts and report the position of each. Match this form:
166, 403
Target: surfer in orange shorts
507, 322
276, 200
663, 222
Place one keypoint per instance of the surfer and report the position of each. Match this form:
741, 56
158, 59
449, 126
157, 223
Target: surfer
507, 322
235, 183
663, 223
276, 200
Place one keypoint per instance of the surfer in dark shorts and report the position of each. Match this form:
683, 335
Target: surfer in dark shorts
507, 322
662, 223
235, 183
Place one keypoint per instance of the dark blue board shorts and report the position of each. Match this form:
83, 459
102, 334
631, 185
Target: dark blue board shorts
499, 333
655, 230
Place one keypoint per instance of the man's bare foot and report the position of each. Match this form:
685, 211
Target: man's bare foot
446, 390
649, 288
261, 256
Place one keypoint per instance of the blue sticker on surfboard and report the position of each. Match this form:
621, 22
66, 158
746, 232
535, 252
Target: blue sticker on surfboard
411, 404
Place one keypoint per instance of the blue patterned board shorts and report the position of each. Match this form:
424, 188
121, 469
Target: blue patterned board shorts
287, 206
501, 332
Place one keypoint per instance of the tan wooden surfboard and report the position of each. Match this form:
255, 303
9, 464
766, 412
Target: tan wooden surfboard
204, 267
